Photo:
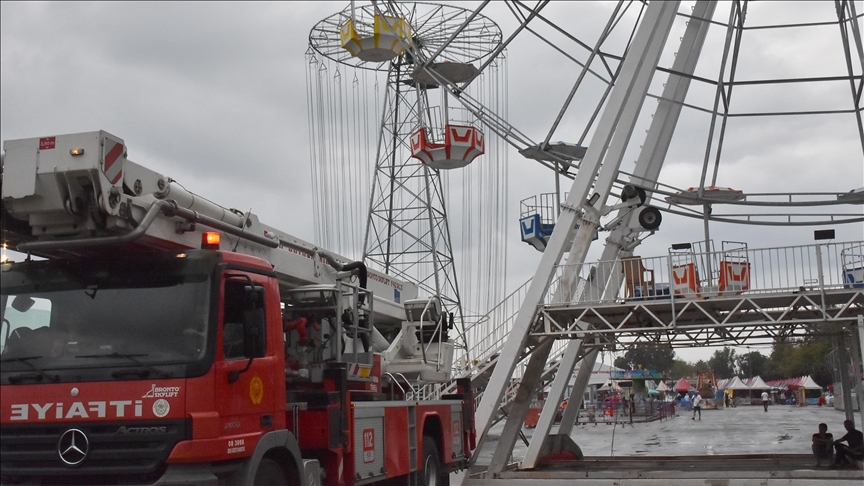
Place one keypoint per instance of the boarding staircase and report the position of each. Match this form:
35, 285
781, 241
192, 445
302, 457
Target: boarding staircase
487, 336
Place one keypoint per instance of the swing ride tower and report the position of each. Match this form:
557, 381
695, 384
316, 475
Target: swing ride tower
422, 134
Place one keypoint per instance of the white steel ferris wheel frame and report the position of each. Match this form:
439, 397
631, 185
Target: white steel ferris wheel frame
597, 171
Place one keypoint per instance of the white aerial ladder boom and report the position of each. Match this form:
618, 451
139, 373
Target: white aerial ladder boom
79, 194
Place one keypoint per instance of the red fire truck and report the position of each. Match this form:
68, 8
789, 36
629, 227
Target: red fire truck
154, 337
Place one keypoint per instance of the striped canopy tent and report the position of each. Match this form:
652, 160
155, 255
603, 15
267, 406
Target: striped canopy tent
662, 386
805, 381
721, 383
809, 382
795, 385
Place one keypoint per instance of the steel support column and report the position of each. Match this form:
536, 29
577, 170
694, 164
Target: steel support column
550, 408
644, 55
519, 406
581, 383
860, 329
856, 368
653, 153
649, 163
845, 378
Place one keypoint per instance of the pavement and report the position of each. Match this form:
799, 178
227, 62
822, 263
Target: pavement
746, 429
741, 445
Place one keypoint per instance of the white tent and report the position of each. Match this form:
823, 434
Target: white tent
759, 384
735, 383
610, 385
809, 384
662, 386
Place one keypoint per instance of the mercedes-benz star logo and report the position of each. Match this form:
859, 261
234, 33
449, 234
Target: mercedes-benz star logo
73, 447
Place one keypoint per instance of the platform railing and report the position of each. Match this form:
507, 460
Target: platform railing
545, 205
598, 412
822, 266
487, 334
780, 269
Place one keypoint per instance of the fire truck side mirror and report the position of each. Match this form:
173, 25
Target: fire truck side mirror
22, 303
254, 335
254, 330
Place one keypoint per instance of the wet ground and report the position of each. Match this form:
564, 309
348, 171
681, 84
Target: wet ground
730, 434
783, 429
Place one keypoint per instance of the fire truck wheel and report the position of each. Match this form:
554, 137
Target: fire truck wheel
269, 472
432, 472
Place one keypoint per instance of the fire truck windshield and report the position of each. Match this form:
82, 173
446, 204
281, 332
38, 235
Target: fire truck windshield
105, 320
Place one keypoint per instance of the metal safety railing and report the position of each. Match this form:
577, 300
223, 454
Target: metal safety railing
546, 205
487, 334
599, 412
686, 272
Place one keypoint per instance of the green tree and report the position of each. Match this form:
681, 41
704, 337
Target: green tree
681, 368
723, 362
647, 356
801, 357
753, 364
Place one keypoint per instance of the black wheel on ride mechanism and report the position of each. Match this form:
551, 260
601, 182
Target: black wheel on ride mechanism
650, 218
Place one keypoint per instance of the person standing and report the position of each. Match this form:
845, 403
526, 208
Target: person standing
765, 400
697, 406
843, 453
822, 442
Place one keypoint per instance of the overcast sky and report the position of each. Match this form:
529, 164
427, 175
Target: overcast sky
214, 95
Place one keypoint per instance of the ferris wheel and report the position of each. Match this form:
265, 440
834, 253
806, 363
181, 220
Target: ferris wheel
707, 89
419, 48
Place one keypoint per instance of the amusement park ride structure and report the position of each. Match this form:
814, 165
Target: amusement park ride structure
576, 304
358, 379
422, 131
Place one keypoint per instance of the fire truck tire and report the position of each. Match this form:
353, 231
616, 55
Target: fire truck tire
269, 473
432, 474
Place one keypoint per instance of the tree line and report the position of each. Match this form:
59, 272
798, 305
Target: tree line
788, 359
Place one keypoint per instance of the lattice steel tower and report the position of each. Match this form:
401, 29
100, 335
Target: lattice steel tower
420, 47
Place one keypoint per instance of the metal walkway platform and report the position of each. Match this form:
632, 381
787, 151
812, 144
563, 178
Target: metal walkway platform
687, 322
